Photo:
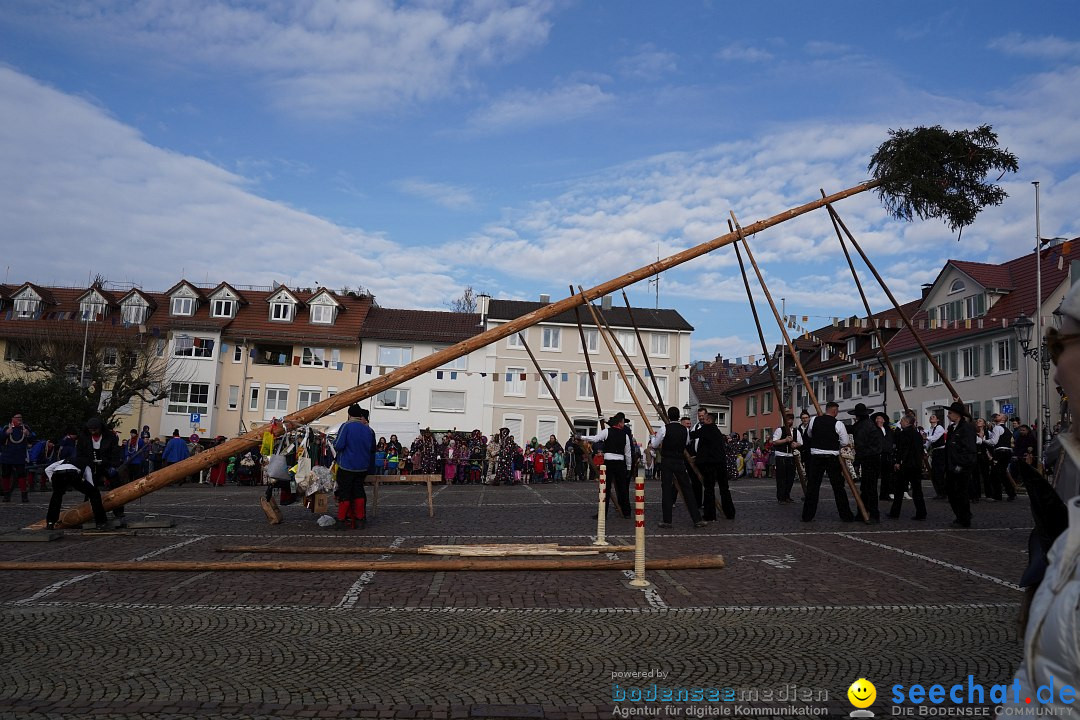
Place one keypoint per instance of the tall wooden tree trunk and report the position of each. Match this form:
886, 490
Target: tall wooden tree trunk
168, 475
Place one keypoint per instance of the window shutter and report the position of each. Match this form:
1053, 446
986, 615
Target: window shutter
988, 357
975, 362
923, 365
1012, 354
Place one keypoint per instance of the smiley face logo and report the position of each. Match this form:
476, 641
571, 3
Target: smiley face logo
862, 693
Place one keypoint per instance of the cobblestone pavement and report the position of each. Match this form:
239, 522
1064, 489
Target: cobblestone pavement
800, 608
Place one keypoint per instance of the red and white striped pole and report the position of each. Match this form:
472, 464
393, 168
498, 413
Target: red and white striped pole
639, 580
601, 514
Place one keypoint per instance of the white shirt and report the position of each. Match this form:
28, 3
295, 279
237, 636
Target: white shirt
841, 431
796, 438
936, 433
661, 433
601, 436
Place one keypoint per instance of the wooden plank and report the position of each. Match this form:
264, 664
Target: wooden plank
370, 550
32, 536
404, 479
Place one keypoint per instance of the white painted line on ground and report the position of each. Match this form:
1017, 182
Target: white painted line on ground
50, 589
348, 601
935, 561
762, 609
861, 566
543, 499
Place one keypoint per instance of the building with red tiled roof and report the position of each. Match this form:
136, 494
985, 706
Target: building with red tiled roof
709, 384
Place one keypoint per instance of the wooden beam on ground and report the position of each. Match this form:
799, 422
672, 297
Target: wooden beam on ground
687, 562
361, 550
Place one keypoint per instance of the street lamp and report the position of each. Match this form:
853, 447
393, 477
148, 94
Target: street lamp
1023, 327
686, 410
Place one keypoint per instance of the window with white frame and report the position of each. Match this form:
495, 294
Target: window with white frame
622, 392
907, 372
550, 338
281, 311
939, 360
584, 386
306, 397
447, 401
237, 353
393, 398
223, 308
875, 383
514, 341
658, 344
313, 357
277, 402
592, 340
545, 427
1003, 356
186, 398
253, 398
322, 314
514, 381
661, 382
458, 363
109, 357
825, 352
751, 405
553, 378
628, 341
852, 343
193, 347
26, 307
967, 363
875, 341
133, 314
182, 306
975, 305
395, 355
234, 397
957, 286
766, 403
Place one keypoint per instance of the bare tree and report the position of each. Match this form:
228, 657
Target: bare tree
120, 363
466, 303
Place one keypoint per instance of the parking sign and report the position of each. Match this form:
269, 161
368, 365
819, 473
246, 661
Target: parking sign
1007, 409
196, 418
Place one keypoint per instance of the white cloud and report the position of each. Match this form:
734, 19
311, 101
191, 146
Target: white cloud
744, 53
1048, 47
528, 109
83, 193
448, 196
320, 57
649, 64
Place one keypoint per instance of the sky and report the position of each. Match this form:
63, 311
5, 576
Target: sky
419, 148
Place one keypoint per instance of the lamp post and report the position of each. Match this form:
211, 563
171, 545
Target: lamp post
1023, 327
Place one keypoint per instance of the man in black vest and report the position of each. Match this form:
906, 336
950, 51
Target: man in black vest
672, 440
1001, 439
711, 460
935, 441
617, 458
959, 462
869, 444
825, 436
908, 467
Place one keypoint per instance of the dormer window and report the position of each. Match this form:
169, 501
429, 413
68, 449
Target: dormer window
26, 308
92, 310
957, 286
224, 308
826, 351
322, 314
851, 344
281, 311
182, 306
134, 314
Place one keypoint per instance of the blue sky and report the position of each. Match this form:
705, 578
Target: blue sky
416, 148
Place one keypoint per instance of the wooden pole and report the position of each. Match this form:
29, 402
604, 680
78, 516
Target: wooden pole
626, 358
903, 315
645, 354
543, 376
341, 550
618, 366
798, 364
168, 475
688, 562
588, 362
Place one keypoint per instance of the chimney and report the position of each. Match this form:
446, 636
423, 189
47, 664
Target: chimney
545, 299
482, 302
605, 302
926, 289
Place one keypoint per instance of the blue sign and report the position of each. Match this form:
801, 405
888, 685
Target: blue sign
1007, 409
195, 418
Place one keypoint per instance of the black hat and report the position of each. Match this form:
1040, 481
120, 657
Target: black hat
860, 410
879, 413
960, 409
355, 410
93, 423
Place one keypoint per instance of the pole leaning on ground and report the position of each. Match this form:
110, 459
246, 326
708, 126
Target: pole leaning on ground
167, 476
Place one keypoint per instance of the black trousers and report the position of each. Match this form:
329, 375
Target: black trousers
870, 474
956, 485
819, 465
65, 480
937, 472
618, 481
350, 485
714, 476
902, 480
998, 480
672, 474
785, 477
697, 487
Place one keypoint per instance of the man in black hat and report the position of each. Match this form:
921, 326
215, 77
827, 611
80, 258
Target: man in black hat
99, 450
960, 460
869, 443
355, 446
